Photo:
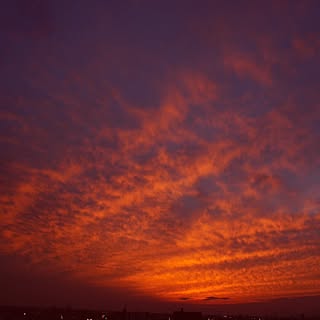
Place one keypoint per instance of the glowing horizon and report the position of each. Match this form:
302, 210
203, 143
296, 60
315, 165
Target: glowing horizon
176, 161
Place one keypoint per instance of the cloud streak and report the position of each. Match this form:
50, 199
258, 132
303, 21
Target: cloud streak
208, 186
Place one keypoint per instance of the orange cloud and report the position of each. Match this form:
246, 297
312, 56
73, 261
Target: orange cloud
194, 184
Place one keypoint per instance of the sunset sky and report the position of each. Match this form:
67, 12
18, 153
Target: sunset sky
159, 153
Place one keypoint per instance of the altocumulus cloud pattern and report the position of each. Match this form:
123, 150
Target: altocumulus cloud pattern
169, 149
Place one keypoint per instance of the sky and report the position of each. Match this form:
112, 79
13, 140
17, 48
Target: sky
159, 154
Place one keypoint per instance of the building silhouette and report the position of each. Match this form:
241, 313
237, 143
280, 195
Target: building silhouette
182, 315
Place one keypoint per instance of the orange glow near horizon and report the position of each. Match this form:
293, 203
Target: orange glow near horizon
191, 182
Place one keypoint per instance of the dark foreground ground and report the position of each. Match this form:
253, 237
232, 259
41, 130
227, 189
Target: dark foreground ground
34, 313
